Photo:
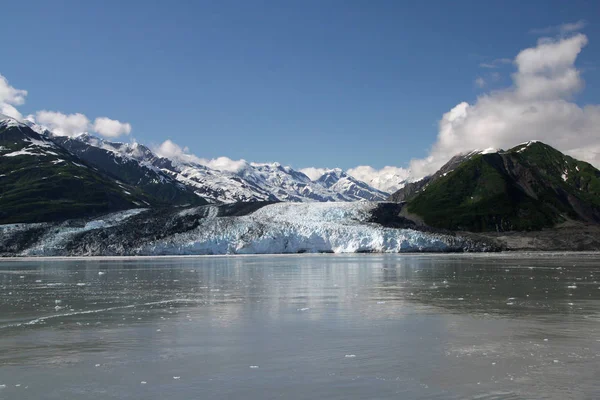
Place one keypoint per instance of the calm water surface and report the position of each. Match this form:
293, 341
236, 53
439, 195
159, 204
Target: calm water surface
302, 327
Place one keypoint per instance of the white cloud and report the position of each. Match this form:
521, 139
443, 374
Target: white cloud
497, 63
480, 82
74, 124
537, 106
387, 178
9, 98
313, 173
173, 151
10, 110
62, 124
225, 164
59, 123
561, 29
111, 127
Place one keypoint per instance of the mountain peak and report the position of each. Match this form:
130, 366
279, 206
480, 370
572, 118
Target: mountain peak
7, 121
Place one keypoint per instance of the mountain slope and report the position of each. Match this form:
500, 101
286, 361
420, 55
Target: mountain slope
251, 182
529, 187
42, 181
120, 161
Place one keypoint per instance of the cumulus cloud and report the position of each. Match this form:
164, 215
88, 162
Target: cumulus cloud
59, 123
62, 124
561, 29
313, 173
9, 98
387, 178
537, 106
73, 124
111, 127
173, 151
224, 164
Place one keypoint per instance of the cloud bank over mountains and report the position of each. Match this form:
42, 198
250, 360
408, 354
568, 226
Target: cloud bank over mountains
57, 122
538, 105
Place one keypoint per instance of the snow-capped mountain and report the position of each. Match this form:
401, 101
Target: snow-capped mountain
126, 162
185, 180
340, 182
251, 182
42, 181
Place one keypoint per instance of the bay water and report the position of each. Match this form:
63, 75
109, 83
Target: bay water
366, 326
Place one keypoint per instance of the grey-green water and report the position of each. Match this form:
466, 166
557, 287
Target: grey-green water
302, 327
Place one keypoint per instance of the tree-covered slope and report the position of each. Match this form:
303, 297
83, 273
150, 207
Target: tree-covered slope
42, 181
529, 187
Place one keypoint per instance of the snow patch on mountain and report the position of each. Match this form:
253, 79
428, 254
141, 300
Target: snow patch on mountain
350, 187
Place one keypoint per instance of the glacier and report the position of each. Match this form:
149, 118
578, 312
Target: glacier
298, 228
245, 228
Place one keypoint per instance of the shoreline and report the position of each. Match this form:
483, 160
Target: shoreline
499, 254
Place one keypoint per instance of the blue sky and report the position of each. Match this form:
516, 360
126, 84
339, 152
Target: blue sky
306, 83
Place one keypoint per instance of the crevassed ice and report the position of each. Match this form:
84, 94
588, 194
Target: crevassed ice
298, 227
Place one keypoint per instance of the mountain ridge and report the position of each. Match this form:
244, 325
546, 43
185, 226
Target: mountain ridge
135, 170
252, 182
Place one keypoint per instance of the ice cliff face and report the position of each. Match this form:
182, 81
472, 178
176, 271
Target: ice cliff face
244, 228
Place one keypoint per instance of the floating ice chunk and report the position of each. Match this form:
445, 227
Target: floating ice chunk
461, 298
80, 284
572, 287
304, 309
97, 365
381, 302
350, 356
143, 382
254, 367
555, 361
101, 273
38, 281
2, 386
545, 340
177, 378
